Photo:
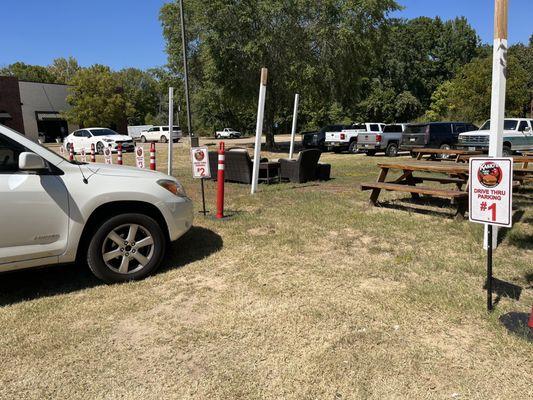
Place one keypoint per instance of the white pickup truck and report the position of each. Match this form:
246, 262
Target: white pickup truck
346, 139
227, 133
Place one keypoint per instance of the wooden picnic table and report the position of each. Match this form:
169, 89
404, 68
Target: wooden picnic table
450, 153
455, 173
525, 160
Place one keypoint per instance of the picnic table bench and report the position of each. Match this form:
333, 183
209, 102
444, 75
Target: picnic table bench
456, 174
450, 154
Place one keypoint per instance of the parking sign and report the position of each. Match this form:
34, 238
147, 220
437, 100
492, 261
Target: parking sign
491, 191
200, 162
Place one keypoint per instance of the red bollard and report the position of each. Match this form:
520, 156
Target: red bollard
119, 154
152, 156
220, 182
93, 155
530, 323
71, 152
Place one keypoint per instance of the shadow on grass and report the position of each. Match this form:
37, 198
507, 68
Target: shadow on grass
446, 209
31, 284
516, 323
504, 289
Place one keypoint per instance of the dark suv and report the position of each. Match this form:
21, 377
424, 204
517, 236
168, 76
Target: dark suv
435, 135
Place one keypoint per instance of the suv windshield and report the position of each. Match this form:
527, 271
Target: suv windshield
416, 129
508, 125
392, 128
103, 132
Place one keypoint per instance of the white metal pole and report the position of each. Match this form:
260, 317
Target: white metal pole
259, 128
499, 84
170, 126
294, 123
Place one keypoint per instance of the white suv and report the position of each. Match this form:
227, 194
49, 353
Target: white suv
160, 134
118, 219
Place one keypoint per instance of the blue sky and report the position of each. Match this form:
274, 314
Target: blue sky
123, 33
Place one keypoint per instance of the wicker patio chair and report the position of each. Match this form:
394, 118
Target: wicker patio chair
301, 170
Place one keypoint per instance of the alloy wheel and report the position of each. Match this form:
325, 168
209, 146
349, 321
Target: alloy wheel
128, 248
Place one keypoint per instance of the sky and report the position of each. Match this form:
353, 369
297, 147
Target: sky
127, 33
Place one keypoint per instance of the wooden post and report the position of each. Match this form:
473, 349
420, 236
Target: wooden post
294, 123
170, 126
259, 128
499, 84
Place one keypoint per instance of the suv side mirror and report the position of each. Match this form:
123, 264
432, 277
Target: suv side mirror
527, 129
31, 162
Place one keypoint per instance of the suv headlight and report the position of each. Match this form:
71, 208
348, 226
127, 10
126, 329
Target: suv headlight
173, 187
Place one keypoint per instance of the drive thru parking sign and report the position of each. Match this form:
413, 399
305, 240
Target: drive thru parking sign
491, 191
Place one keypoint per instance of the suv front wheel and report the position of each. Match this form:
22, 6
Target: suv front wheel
126, 247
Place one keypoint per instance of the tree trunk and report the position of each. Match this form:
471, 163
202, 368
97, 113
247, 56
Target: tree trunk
269, 122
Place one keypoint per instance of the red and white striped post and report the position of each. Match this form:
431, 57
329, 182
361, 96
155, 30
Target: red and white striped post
71, 152
119, 154
152, 156
93, 154
220, 182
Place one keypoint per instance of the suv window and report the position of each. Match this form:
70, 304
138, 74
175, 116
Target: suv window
374, 128
522, 127
441, 128
154, 129
9, 155
392, 128
416, 128
460, 128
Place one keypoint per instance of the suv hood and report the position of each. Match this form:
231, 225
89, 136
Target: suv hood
123, 171
483, 132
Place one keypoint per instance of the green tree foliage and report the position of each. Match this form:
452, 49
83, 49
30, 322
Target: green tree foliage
142, 91
97, 97
63, 69
31, 73
321, 49
468, 95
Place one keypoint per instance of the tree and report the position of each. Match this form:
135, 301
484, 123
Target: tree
142, 91
468, 95
63, 69
97, 98
26, 72
322, 50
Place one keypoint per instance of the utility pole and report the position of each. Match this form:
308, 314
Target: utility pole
259, 128
499, 85
170, 127
294, 123
193, 139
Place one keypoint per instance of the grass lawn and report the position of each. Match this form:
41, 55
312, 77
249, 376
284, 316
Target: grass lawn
306, 292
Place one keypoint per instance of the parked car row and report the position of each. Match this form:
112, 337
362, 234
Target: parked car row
372, 138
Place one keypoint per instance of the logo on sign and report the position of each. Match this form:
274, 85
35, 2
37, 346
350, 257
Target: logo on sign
199, 155
490, 174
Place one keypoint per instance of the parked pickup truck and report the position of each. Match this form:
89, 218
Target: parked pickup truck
388, 141
517, 136
346, 139
227, 133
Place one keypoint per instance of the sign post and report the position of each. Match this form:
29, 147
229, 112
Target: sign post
499, 85
491, 201
200, 169
170, 127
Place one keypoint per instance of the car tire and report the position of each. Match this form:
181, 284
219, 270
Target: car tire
371, 153
353, 147
391, 150
444, 146
507, 151
113, 262
163, 139
100, 148
143, 139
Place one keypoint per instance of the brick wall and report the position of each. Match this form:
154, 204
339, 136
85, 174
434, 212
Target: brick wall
10, 102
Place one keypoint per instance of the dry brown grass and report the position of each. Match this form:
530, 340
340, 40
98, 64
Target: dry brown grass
305, 293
